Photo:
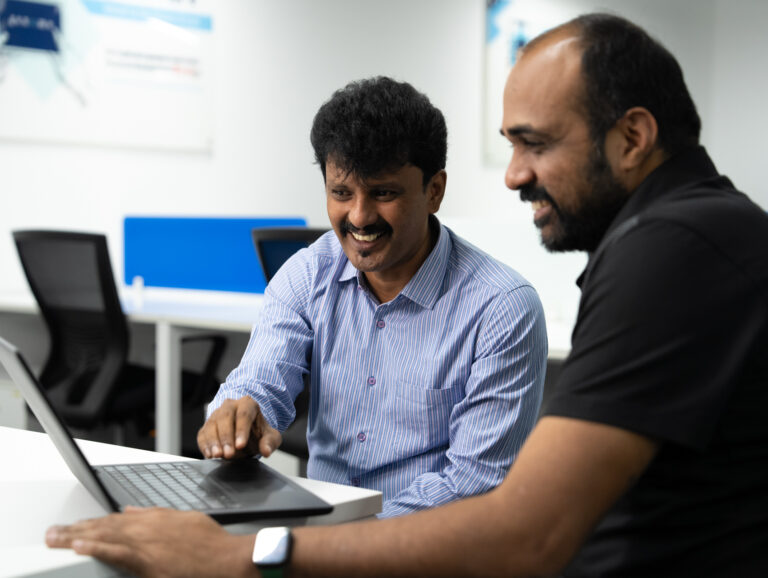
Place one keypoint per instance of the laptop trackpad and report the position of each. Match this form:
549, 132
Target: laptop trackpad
244, 476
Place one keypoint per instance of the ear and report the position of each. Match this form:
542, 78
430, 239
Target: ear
635, 139
435, 190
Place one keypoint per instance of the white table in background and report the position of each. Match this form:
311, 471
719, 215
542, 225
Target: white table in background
37, 490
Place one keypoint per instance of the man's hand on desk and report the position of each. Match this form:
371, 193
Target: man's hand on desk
237, 429
159, 542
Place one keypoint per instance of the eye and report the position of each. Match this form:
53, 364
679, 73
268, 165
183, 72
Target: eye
383, 194
527, 143
340, 194
530, 143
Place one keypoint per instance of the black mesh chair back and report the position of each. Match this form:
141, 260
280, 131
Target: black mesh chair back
71, 278
87, 374
274, 245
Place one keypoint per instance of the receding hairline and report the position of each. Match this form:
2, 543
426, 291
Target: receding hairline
564, 43
569, 29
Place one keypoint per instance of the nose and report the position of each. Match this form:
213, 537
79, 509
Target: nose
519, 172
362, 212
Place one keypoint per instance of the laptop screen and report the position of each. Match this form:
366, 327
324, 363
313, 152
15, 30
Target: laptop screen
22, 376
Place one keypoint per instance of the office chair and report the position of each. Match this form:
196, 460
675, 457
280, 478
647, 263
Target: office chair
87, 374
274, 245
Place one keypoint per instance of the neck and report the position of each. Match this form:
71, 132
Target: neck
649, 164
387, 285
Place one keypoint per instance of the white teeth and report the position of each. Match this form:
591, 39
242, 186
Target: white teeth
536, 205
366, 238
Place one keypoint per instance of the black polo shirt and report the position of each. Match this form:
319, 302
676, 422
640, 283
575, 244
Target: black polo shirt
671, 341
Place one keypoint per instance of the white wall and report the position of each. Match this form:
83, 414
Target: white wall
738, 123
277, 61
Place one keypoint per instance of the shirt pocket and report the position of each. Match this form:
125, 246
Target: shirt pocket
422, 416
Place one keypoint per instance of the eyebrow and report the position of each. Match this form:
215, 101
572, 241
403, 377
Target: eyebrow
384, 184
525, 129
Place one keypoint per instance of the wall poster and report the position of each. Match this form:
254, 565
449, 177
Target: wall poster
133, 73
510, 24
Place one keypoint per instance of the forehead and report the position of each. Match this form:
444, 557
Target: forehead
544, 88
404, 175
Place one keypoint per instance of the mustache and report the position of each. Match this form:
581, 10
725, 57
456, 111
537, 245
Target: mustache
380, 226
529, 193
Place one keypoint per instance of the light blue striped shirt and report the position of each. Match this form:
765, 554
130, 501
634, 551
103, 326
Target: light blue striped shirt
426, 398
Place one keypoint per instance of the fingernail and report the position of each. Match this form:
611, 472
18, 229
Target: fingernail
77, 545
227, 449
52, 535
240, 441
215, 450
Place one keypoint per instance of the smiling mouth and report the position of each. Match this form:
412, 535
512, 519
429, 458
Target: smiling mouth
366, 238
542, 210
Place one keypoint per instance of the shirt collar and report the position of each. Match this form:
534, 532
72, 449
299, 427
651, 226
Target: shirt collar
689, 166
424, 287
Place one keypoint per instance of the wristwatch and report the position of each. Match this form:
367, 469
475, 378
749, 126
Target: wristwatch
272, 551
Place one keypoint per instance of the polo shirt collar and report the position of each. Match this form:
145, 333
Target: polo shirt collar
688, 166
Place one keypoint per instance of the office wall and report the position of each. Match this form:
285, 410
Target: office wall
738, 121
276, 62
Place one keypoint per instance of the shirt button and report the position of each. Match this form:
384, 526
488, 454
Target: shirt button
361, 437
381, 323
355, 482
371, 380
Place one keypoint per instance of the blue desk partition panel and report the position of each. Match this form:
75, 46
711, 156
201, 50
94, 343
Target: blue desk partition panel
196, 253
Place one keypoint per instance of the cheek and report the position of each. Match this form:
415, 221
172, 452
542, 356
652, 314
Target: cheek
564, 184
335, 212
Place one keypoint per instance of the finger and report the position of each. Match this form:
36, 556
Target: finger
63, 536
214, 445
220, 430
116, 554
202, 441
208, 437
214, 439
248, 414
270, 440
57, 537
240, 411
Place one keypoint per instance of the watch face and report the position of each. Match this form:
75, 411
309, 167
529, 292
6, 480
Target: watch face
272, 547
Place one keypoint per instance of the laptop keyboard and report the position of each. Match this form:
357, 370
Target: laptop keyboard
170, 485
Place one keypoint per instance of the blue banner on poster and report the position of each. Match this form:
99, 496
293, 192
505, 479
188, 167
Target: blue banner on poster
30, 25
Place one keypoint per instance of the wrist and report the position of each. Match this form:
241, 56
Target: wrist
241, 550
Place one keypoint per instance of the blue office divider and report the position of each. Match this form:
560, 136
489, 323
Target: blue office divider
196, 253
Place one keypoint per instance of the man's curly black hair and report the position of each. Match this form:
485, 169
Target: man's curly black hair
377, 125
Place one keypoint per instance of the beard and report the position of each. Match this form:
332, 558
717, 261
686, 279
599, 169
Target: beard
582, 228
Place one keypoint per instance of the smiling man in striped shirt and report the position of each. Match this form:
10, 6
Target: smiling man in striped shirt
426, 357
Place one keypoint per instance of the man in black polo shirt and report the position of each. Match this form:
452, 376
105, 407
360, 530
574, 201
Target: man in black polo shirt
652, 456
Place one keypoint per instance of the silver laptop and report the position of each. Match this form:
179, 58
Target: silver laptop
228, 491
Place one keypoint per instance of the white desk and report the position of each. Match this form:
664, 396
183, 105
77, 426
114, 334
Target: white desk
37, 490
174, 313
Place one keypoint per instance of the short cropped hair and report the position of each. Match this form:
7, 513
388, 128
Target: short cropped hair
378, 124
622, 67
